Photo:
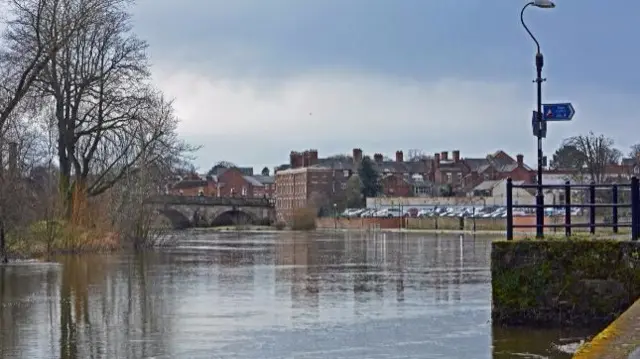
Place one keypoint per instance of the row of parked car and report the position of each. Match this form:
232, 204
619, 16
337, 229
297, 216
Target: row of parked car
444, 211
391, 212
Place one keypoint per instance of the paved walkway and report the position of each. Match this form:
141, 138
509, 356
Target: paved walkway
620, 340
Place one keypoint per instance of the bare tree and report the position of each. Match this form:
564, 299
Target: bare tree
108, 118
35, 31
75, 89
635, 151
598, 152
415, 155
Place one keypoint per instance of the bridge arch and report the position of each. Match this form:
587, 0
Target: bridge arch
177, 219
233, 217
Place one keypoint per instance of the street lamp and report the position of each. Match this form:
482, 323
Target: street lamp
544, 4
335, 216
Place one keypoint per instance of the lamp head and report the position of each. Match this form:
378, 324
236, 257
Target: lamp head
544, 4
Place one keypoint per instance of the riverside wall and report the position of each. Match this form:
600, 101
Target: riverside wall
555, 283
447, 223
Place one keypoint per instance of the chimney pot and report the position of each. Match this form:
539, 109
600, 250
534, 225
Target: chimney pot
444, 156
436, 160
520, 159
456, 156
399, 156
378, 157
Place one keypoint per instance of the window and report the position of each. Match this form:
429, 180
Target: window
345, 173
343, 185
449, 177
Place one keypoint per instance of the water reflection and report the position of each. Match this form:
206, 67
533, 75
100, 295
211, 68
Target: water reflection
258, 296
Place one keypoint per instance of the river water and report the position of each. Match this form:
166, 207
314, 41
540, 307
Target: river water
263, 296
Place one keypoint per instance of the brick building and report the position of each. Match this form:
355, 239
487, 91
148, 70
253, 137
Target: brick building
268, 188
306, 182
464, 174
225, 182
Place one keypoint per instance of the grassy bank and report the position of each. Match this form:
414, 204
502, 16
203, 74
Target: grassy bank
55, 237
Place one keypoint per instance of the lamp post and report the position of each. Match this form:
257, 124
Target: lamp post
335, 216
544, 4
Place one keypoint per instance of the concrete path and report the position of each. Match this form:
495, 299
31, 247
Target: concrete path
620, 340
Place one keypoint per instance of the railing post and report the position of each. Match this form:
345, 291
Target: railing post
509, 209
635, 208
592, 207
614, 209
567, 209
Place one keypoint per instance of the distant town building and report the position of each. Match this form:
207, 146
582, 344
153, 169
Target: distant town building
225, 182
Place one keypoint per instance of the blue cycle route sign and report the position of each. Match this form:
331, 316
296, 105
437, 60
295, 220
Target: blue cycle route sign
558, 111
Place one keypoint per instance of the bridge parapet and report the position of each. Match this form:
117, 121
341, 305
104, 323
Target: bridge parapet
209, 201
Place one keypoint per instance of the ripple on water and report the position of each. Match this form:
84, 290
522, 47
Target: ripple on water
269, 297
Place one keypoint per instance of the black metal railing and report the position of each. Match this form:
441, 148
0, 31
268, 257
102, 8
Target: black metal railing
609, 201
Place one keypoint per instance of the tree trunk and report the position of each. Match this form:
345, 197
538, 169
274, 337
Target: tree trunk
79, 203
3, 245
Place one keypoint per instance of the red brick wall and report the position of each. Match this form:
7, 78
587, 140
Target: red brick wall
209, 190
360, 223
396, 186
232, 181
268, 190
521, 174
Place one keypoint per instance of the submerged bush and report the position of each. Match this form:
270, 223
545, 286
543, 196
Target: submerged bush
304, 220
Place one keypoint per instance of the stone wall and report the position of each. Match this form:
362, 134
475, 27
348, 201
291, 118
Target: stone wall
450, 224
454, 223
359, 223
563, 282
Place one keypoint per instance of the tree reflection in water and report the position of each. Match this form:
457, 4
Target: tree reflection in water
192, 302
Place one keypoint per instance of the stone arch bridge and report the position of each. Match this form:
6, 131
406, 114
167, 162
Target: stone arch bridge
200, 211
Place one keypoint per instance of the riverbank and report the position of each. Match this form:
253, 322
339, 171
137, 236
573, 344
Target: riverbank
499, 234
45, 239
619, 340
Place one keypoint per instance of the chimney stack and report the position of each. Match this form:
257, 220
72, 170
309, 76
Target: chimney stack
378, 157
357, 155
444, 156
399, 156
305, 159
456, 156
313, 157
520, 159
436, 160
296, 159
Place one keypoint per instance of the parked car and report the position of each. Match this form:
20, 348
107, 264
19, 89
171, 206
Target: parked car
411, 212
369, 212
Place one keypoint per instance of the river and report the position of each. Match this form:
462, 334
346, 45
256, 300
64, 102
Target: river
267, 296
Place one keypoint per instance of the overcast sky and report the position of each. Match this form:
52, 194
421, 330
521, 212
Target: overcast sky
254, 79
